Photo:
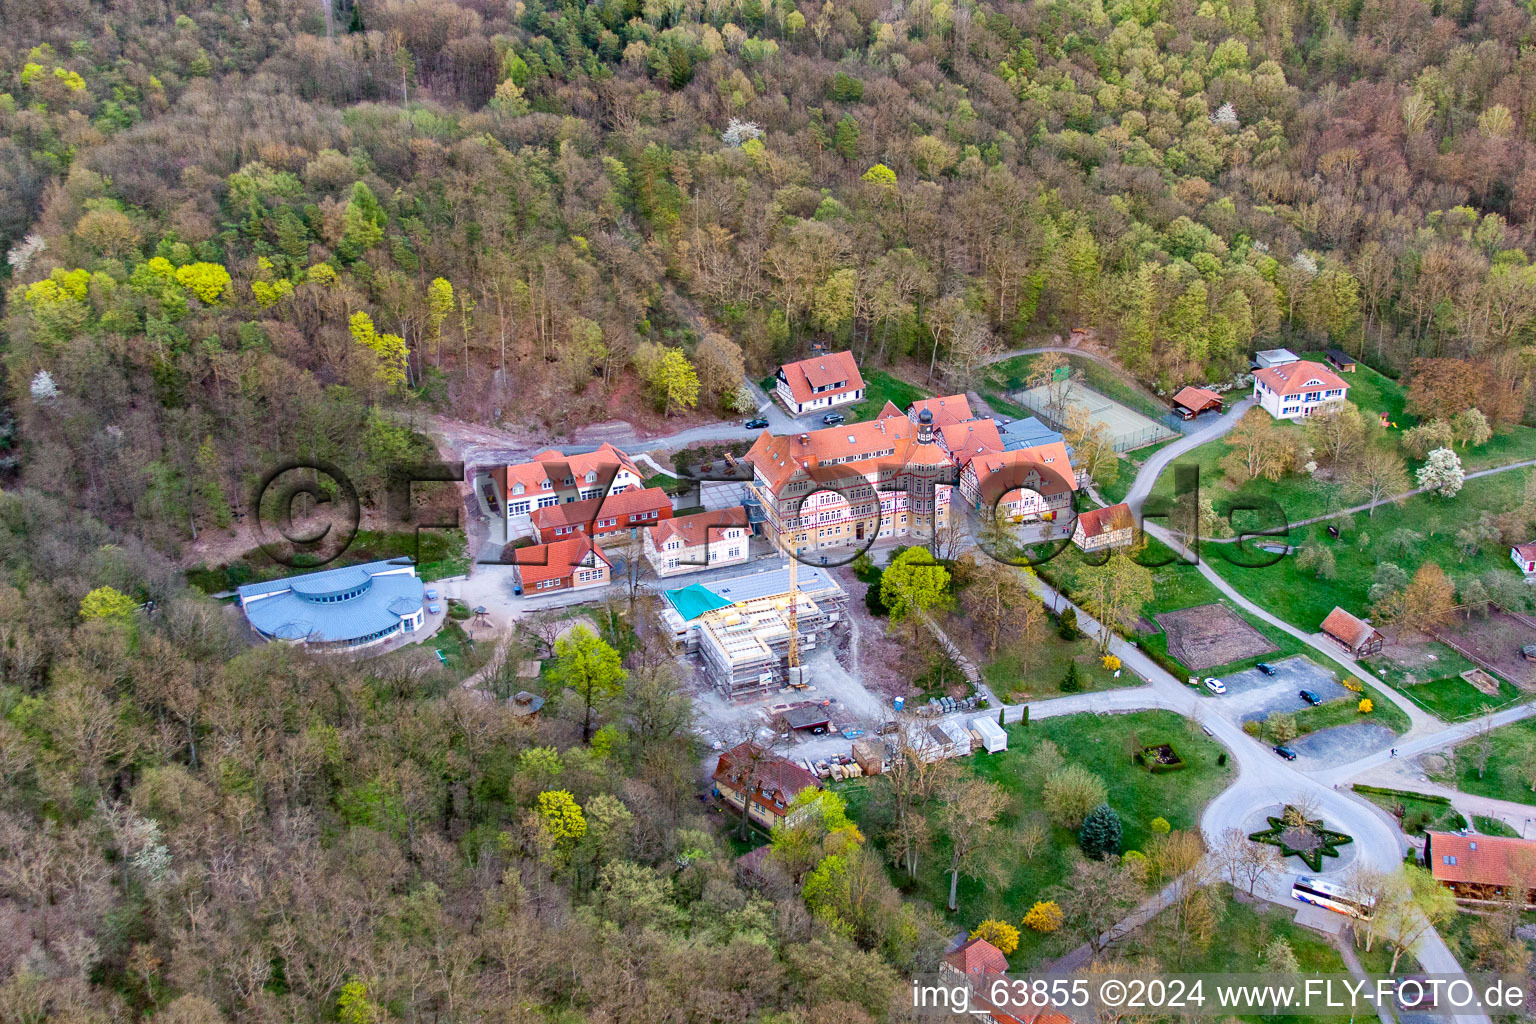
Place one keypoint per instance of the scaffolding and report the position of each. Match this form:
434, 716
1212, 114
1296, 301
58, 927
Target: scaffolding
746, 647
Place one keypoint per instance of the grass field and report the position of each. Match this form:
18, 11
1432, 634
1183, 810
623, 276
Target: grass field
1492, 826
879, 388
1303, 600
1043, 674
1506, 776
1099, 743
1243, 931
1012, 374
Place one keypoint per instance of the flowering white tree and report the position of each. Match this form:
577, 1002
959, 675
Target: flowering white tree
1304, 262
1225, 116
43, 387
736, 132
1442, 473
20, 257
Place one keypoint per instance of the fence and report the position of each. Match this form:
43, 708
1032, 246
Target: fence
1126, 438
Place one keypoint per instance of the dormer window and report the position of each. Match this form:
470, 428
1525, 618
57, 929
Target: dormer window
591, 476
518, 489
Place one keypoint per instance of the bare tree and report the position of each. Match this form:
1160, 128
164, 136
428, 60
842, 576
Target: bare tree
970, 814
1258, 859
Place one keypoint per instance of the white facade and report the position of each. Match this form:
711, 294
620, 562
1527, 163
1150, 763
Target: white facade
1298, 405
825, 400
674, 556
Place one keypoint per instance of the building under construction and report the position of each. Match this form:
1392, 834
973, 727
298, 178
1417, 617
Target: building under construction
741, 627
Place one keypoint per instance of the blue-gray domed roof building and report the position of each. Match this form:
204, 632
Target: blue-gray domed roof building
348, 608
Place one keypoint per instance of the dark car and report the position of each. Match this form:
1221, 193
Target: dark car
1286, 752
1266, 668
833, 418
757, 424
1311, 698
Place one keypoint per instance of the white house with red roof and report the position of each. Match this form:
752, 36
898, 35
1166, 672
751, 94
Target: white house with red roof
554, 478
705, 540
570, 564
1524, 556
1297, 390
819, 383
1099, 528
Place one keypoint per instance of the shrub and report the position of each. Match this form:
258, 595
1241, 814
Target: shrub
1366, 707
1252, 727
1111, 662
872, 599
1071, 793
1352, 684
1044, 917
1000, 933
1160, 826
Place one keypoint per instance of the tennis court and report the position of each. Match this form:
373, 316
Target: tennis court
1130, 429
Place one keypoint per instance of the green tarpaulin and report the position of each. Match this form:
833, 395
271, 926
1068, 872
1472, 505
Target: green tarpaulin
693, 600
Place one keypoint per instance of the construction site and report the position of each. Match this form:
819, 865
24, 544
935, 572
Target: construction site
749, 631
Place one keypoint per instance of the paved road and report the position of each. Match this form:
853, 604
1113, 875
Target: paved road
1147, 476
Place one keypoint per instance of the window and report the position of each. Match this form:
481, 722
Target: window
1451, 860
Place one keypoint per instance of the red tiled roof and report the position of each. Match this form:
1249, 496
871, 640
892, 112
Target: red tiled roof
547, 464
969, 439
1105, 520
1346, 627
1294, 378
1196, 399
1527, 550
696, 529
946, 410
779, 457
1483, 860
589, 510
555, 561
776, 778
978, 956
807, 375
1027, 467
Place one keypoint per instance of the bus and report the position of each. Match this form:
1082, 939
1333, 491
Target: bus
1330, 896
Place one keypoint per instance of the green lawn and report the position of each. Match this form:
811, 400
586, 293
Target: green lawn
1417, 813
1503, 778
1303, 600
1243, 931
1453, 699
1099, 743
1492, 826
1042, 675
879, 388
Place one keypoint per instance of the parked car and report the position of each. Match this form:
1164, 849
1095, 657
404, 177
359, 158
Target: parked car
1311, 698
832, 419
1215, 685
757, 424
1285, 752
1266, 668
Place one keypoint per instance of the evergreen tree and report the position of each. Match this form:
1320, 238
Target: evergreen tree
1100, 833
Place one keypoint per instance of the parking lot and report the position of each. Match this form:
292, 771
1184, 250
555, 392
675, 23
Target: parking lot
1340, 745
1253, 695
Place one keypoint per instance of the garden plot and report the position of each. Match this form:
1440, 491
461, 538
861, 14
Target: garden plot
1494, 642
1253, 695
1209, 635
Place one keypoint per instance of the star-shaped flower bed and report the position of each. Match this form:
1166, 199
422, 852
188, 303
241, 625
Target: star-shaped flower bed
1302, 837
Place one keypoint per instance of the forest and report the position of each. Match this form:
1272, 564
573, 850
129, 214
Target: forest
240, 233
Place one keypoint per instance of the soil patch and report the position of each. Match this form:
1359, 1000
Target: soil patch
1210, 635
